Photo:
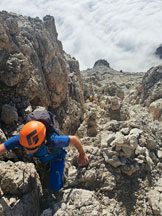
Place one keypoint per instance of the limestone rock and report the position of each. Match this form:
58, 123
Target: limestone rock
34, 66
151, 86
155, 198
21, 189
159, 51
155, 109
87, 203
101, 62
2, 136
9, 114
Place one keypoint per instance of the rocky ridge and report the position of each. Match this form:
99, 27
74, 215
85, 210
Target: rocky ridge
35, 70
121, 131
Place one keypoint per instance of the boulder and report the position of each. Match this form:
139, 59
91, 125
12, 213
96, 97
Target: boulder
9, 114
159, 51
155, 198
150, 89
20, 189
101, 62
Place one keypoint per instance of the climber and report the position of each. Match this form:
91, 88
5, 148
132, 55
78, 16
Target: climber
92, 99
33, 140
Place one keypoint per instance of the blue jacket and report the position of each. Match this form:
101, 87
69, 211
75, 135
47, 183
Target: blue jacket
58, 144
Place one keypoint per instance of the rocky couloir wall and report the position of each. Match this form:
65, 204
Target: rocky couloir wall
35, 70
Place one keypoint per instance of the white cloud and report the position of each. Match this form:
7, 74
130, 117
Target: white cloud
124, 32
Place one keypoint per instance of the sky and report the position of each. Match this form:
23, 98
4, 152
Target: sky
126, 33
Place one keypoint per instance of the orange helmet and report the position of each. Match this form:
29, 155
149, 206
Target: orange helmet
32, 134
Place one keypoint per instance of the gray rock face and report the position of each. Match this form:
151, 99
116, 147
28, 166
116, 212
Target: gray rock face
20, 189
35, 70
32, 58
155, 109
9, 114
2, 136
126, 131
101, 62
159, 51
87, 203
155, 198
150, 89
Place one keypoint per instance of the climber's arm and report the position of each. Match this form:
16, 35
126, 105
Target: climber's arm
82, 157
2, 149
